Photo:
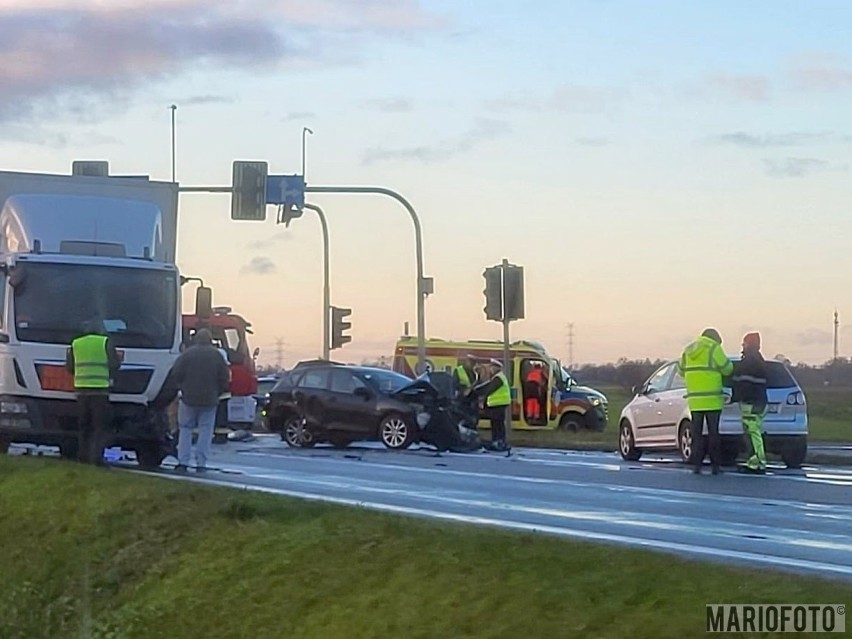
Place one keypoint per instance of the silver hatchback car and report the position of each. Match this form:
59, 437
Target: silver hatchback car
658, 419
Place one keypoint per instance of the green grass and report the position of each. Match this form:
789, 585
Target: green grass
829, 415
102, 554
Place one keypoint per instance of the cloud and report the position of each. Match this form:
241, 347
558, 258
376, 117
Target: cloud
299, 115
742, 88
794, 138
821, 72
794, 167
814, 337
389, 105
592, 141
568, 98
483, 130
204, 99
269, 242
259, 266
50, 49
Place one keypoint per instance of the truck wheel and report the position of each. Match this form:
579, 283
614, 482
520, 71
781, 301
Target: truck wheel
150, 456
70, 451
795, 452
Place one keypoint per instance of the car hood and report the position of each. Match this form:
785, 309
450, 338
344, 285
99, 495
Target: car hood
419, 387
590, 391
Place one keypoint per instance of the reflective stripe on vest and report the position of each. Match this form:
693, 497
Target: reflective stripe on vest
91, 364
502, 396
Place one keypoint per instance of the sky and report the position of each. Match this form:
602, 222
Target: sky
655, 167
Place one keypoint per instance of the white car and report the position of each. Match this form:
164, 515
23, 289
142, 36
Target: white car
658, 419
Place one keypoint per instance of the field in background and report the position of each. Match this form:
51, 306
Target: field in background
829, 412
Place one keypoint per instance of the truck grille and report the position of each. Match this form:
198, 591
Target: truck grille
132, 381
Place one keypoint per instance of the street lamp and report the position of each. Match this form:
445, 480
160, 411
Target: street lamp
326, 288
304, 131
173, 108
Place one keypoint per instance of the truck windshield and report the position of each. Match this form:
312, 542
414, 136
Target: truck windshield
137, 306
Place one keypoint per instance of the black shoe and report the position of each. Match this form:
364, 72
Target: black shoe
200, 469
717, 470
180, 468
696, 470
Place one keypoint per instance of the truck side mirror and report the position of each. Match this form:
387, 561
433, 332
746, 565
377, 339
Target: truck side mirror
204, 302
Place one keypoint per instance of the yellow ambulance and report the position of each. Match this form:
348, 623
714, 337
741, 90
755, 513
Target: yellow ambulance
555, 402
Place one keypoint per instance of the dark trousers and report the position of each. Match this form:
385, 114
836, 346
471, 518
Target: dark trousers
714, 445
497, 417
94, 417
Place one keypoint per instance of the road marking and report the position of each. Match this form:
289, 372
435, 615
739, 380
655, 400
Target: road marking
748, 558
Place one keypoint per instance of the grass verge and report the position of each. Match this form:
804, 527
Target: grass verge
102, 554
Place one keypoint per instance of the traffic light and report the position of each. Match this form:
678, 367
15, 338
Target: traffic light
493, 293
248, 199
513, 289
338, 326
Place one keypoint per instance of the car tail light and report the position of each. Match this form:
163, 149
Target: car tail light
796, 399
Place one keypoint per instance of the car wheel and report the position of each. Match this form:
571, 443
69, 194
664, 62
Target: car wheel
296, 435
626, 443
150, 456
395, 432
4, 445
572, 423
795, 452
690, 450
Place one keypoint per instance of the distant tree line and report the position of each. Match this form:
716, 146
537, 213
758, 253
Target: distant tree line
631, 372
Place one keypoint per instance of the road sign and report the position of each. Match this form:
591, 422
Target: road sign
248, 199
288, 190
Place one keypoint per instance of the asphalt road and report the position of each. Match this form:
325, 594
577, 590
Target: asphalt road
797, 520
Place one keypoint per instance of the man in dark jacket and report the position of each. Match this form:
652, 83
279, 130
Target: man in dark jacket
201, 375
749, 389
93, 360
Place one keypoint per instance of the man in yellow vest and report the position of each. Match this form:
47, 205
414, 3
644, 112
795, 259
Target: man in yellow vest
498, 396
704, 365
465, 376
93, 361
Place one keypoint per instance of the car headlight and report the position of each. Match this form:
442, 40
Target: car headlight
423, 419
594, 400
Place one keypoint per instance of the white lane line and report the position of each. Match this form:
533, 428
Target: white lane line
748, 558
663, 494
685, 525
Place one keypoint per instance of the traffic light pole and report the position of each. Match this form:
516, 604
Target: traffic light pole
326, 288
507, 363
418, 240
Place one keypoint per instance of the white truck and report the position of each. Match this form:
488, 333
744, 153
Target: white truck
75, 248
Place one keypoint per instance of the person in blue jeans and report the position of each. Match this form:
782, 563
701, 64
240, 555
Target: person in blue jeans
201, 375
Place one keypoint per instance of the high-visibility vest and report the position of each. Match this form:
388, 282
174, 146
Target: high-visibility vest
502, 396
703, 366
91, 362
464, 378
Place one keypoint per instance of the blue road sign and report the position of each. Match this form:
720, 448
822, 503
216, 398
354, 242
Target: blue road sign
286, 189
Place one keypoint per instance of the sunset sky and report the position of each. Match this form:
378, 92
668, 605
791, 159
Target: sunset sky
656, 167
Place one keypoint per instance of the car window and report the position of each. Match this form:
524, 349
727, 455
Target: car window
343, 381
386, 381
313, 379
658, 382
677, 382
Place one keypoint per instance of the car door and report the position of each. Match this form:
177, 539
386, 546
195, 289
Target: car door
351, 405
674, 408
310, 396
648, 407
